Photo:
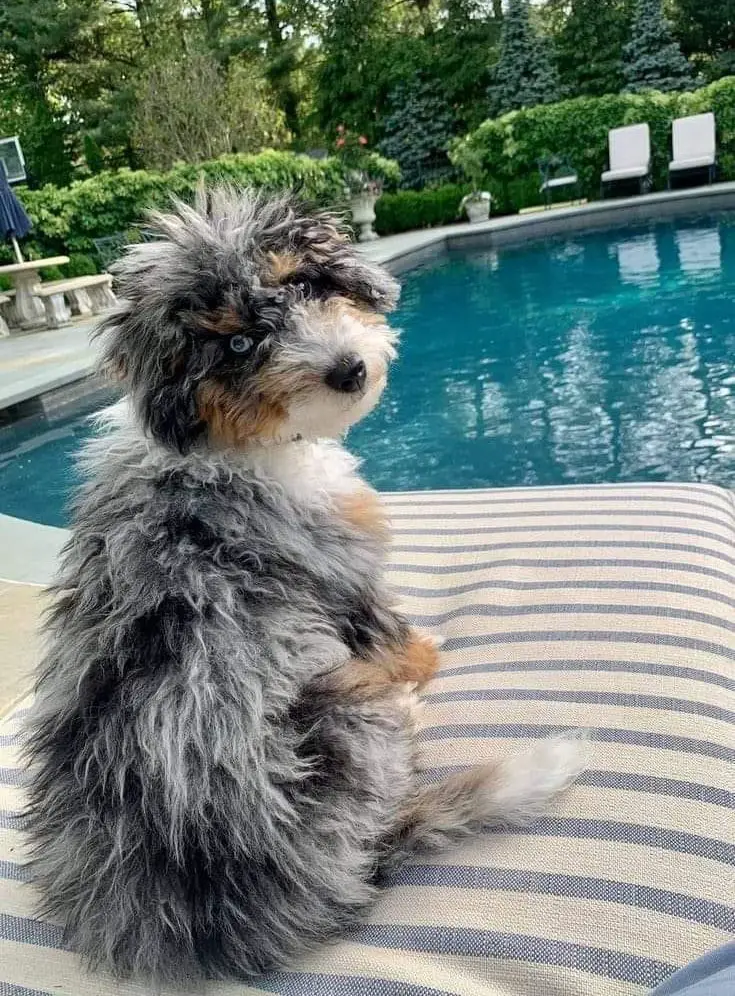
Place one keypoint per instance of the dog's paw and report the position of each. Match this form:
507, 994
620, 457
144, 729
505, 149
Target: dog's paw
410, 704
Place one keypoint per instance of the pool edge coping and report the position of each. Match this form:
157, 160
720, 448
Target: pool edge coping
31, 549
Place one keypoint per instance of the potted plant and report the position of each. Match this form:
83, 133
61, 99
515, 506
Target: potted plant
476, 204
364, 174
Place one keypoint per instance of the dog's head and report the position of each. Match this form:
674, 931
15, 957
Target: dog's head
248, 320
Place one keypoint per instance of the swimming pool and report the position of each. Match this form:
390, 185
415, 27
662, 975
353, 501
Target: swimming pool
604, 357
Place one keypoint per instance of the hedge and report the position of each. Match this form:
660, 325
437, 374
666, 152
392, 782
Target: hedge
409, 209
68, 219
510, 147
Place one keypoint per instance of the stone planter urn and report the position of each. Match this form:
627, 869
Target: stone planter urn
477, 207
362, 207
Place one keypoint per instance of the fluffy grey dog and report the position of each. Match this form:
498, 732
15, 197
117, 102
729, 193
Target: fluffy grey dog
223, 746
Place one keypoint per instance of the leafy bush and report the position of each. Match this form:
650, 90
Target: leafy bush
81, 265
68, 219
419, 208
510, 147
49, 273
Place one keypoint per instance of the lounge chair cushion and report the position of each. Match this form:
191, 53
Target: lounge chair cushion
630, 173
609, 608
700, 162
559, 181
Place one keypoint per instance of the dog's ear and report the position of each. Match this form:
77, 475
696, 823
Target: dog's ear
155, 364
171, 415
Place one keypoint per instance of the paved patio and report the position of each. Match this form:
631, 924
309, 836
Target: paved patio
36, 362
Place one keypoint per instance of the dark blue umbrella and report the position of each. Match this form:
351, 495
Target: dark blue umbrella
14, 222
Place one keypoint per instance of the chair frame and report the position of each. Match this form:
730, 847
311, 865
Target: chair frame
556, 167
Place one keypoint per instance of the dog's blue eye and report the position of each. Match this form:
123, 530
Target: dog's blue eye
240, 344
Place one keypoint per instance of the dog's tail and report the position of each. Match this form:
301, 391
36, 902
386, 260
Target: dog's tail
511, 793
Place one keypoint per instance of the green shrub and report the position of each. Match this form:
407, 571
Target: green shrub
81, 265
68, 219
510, 147
419, 208
49, 273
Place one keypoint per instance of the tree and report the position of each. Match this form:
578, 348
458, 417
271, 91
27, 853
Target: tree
190, 109
706, 30
589, 46
706, 26
371, 47
525, 74
37, 38
652, 59
417, 127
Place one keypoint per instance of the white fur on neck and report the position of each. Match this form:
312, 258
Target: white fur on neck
311, 472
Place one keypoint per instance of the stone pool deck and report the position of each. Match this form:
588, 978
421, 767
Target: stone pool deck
38, 362
35, 364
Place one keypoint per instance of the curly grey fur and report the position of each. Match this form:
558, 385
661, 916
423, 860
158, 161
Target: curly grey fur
206, 800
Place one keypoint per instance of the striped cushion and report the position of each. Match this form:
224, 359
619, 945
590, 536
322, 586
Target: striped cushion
608, 607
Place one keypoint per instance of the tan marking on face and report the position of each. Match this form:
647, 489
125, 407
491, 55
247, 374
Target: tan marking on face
416, 660
281, 267
281, 386
234, 421
363, 511
225, 321
335, 307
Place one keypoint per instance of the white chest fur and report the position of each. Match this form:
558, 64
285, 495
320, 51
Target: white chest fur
310, 472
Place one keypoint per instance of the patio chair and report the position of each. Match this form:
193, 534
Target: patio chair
630, 157
557, 174
695, 146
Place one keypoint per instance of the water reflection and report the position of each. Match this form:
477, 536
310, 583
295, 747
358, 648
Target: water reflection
603, 358
700, 251
638, 259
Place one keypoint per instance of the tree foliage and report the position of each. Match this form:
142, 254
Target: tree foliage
93, 85
589, 46
418, 126
525, 74
190, 109
372, 47
653, 59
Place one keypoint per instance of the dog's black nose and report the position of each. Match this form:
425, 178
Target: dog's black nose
348, 375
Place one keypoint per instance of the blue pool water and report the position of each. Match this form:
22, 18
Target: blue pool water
606, 357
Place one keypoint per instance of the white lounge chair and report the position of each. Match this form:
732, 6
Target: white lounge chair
695, 145
630, 156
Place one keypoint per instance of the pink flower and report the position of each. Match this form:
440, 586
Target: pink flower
339, 143
362, 140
